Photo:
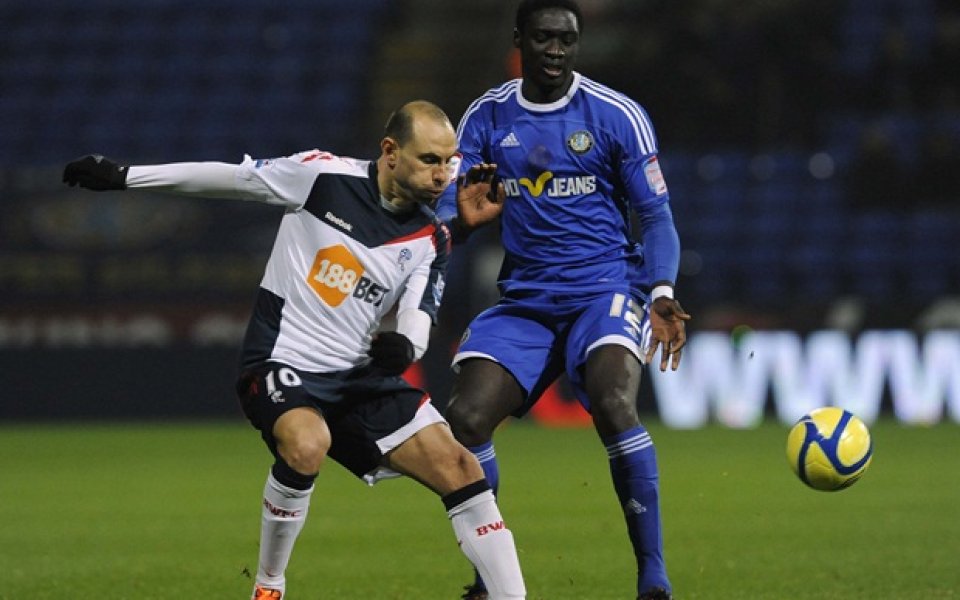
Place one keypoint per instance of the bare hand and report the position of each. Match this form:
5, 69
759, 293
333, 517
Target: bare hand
668, 328
480, 196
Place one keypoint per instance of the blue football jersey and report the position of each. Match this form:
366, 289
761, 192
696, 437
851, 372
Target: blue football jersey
572, 169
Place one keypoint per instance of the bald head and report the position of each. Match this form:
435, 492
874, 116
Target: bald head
418, 154
400, 125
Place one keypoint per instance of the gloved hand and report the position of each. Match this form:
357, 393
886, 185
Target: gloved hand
95, 172
392, 353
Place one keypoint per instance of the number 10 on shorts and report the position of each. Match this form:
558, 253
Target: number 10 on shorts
288, 378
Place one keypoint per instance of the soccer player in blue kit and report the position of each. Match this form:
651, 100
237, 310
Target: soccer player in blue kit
577, 294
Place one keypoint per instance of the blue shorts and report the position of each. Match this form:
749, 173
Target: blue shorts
537, 335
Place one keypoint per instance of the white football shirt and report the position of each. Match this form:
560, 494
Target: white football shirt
342, 260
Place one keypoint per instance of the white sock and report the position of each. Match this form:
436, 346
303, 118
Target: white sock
283, 516
487, 542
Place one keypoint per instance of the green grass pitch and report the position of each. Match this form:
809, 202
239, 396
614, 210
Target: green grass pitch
158, 511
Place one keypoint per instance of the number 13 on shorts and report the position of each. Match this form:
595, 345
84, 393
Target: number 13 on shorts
637, 323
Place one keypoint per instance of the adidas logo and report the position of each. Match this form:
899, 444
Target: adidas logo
510, 141
634, 507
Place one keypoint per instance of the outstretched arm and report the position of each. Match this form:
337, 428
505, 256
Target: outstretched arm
661, 254
667, 317
213, 179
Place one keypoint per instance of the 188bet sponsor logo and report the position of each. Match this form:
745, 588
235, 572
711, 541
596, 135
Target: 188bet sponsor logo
337, 274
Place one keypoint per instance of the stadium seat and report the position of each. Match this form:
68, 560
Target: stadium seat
179, 63
932, 261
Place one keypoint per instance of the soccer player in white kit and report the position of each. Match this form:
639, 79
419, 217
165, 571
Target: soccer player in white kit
357, 241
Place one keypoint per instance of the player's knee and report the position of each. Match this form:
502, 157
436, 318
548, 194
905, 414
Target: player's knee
459, 465
614, 414
303, 454
468, 464
469, 425
302, 439
449, 466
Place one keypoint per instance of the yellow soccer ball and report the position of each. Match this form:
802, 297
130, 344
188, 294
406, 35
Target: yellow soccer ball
829, 449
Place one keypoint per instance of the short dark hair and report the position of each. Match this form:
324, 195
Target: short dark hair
399, 126
528, 7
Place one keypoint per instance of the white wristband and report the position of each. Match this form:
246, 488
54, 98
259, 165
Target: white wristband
661, 290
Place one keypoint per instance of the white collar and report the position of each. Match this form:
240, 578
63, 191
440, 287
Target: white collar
556, 104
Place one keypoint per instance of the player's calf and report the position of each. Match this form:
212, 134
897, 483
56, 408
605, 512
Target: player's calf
485, 540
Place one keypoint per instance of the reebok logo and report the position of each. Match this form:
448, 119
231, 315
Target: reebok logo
338, 221
510, 141
490, 528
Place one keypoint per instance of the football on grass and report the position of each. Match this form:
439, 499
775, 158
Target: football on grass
829, 448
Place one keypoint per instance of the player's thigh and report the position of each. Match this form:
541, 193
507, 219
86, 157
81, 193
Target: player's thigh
612, 382
484, 393
433, 457
604, 352
507, 358
288, 417
383, 413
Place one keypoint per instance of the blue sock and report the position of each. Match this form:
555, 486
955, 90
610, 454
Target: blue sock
633, 465
488, 460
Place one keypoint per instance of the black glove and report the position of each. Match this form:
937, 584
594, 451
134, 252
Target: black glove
392, 353
95, 172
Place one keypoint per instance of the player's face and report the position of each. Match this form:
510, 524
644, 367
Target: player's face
548, 49
425, 162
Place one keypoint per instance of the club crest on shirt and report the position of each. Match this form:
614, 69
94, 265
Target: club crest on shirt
404, 257
580, 141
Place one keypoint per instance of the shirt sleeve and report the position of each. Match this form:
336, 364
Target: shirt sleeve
282, 181
209, 179
415, 324
420, 301
646, 192
424, 288
661, 245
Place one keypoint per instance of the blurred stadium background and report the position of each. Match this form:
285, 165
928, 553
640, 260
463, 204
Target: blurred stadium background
812, 149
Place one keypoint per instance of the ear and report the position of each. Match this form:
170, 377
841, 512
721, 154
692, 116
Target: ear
389, 148
516, 37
